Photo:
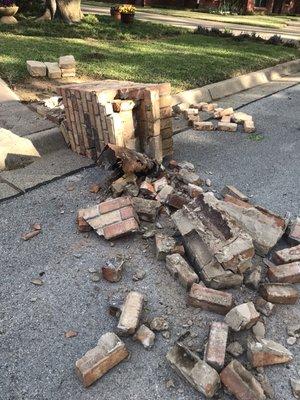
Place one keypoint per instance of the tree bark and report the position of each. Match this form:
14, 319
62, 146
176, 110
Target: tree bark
68, 10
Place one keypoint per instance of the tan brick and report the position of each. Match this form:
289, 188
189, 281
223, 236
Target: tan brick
210, 299
279, 293
249, 126
194, 190
98, 223
216, 346
67, 62
68, 73
285, 273
145, 336
226, 111
131, 313
204, 126
227, 126
226, 119
36, 68
181, 270
109, 352
241, 383
53, 70
120, 228
209, 107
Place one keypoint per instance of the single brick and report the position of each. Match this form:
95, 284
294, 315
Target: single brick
131, 313
67, 62
216, 347
109, 352
241, 383
68, 73
243, 316
294, 232
210, 299
226, 119
36, 68
285, 273
194, 190
287, 255
120, 228
227, 111
279, 293
227, 126
249, 126
234, 192
204, 126
115, 204
147, 210
267, 352
181, 270
263, 306
53, 70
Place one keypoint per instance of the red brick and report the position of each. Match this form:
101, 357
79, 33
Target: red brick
127, 212
115, 204
210, 299
285, 273
120, 228
241, 383
279, 293
83, 226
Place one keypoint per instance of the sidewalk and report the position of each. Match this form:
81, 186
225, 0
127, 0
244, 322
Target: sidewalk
290, 32
56, 159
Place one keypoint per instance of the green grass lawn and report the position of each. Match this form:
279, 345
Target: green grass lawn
142, 52
266, 21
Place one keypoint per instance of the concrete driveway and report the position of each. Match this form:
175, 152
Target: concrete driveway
289, 32
37, 360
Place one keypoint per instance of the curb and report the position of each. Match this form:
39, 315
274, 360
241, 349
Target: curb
216, 91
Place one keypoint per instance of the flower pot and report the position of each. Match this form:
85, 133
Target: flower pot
127, 18
115, 14
8, 11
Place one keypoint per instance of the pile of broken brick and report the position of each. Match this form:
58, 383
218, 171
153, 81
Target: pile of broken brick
214, 248
227, 119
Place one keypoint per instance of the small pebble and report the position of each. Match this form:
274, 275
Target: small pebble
291, 340
95, 278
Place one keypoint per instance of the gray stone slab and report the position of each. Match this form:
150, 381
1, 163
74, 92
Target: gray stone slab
51, 166
7, 191
22, 121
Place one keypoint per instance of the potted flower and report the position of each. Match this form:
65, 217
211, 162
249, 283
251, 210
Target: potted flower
115, 12
8, 9
127, 13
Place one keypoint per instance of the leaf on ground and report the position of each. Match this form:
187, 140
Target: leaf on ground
37, 281
70, 334
95, 188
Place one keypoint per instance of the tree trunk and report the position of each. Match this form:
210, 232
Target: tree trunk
68, 10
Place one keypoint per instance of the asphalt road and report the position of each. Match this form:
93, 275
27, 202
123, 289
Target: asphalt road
37, 361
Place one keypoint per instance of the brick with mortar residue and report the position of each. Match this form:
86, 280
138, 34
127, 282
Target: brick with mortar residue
181, 270
131, 313
267, 352
287, 255
233, 191
280, 293
210, 299
285, 273
243, 316
204, 126
216, 347
109, 352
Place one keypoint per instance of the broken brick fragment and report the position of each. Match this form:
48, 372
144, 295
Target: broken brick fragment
197, 372
216, 347
285, 273
279, 293
263, 306
131, 313
210, 299
160, 184
180, 269
267, 352
249, 126
147, 210
147, 189
243, 316
241, 383
112, 271
176, 201
111, 218
145, 336
166, 245
294, 232
233, 191
109, 352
